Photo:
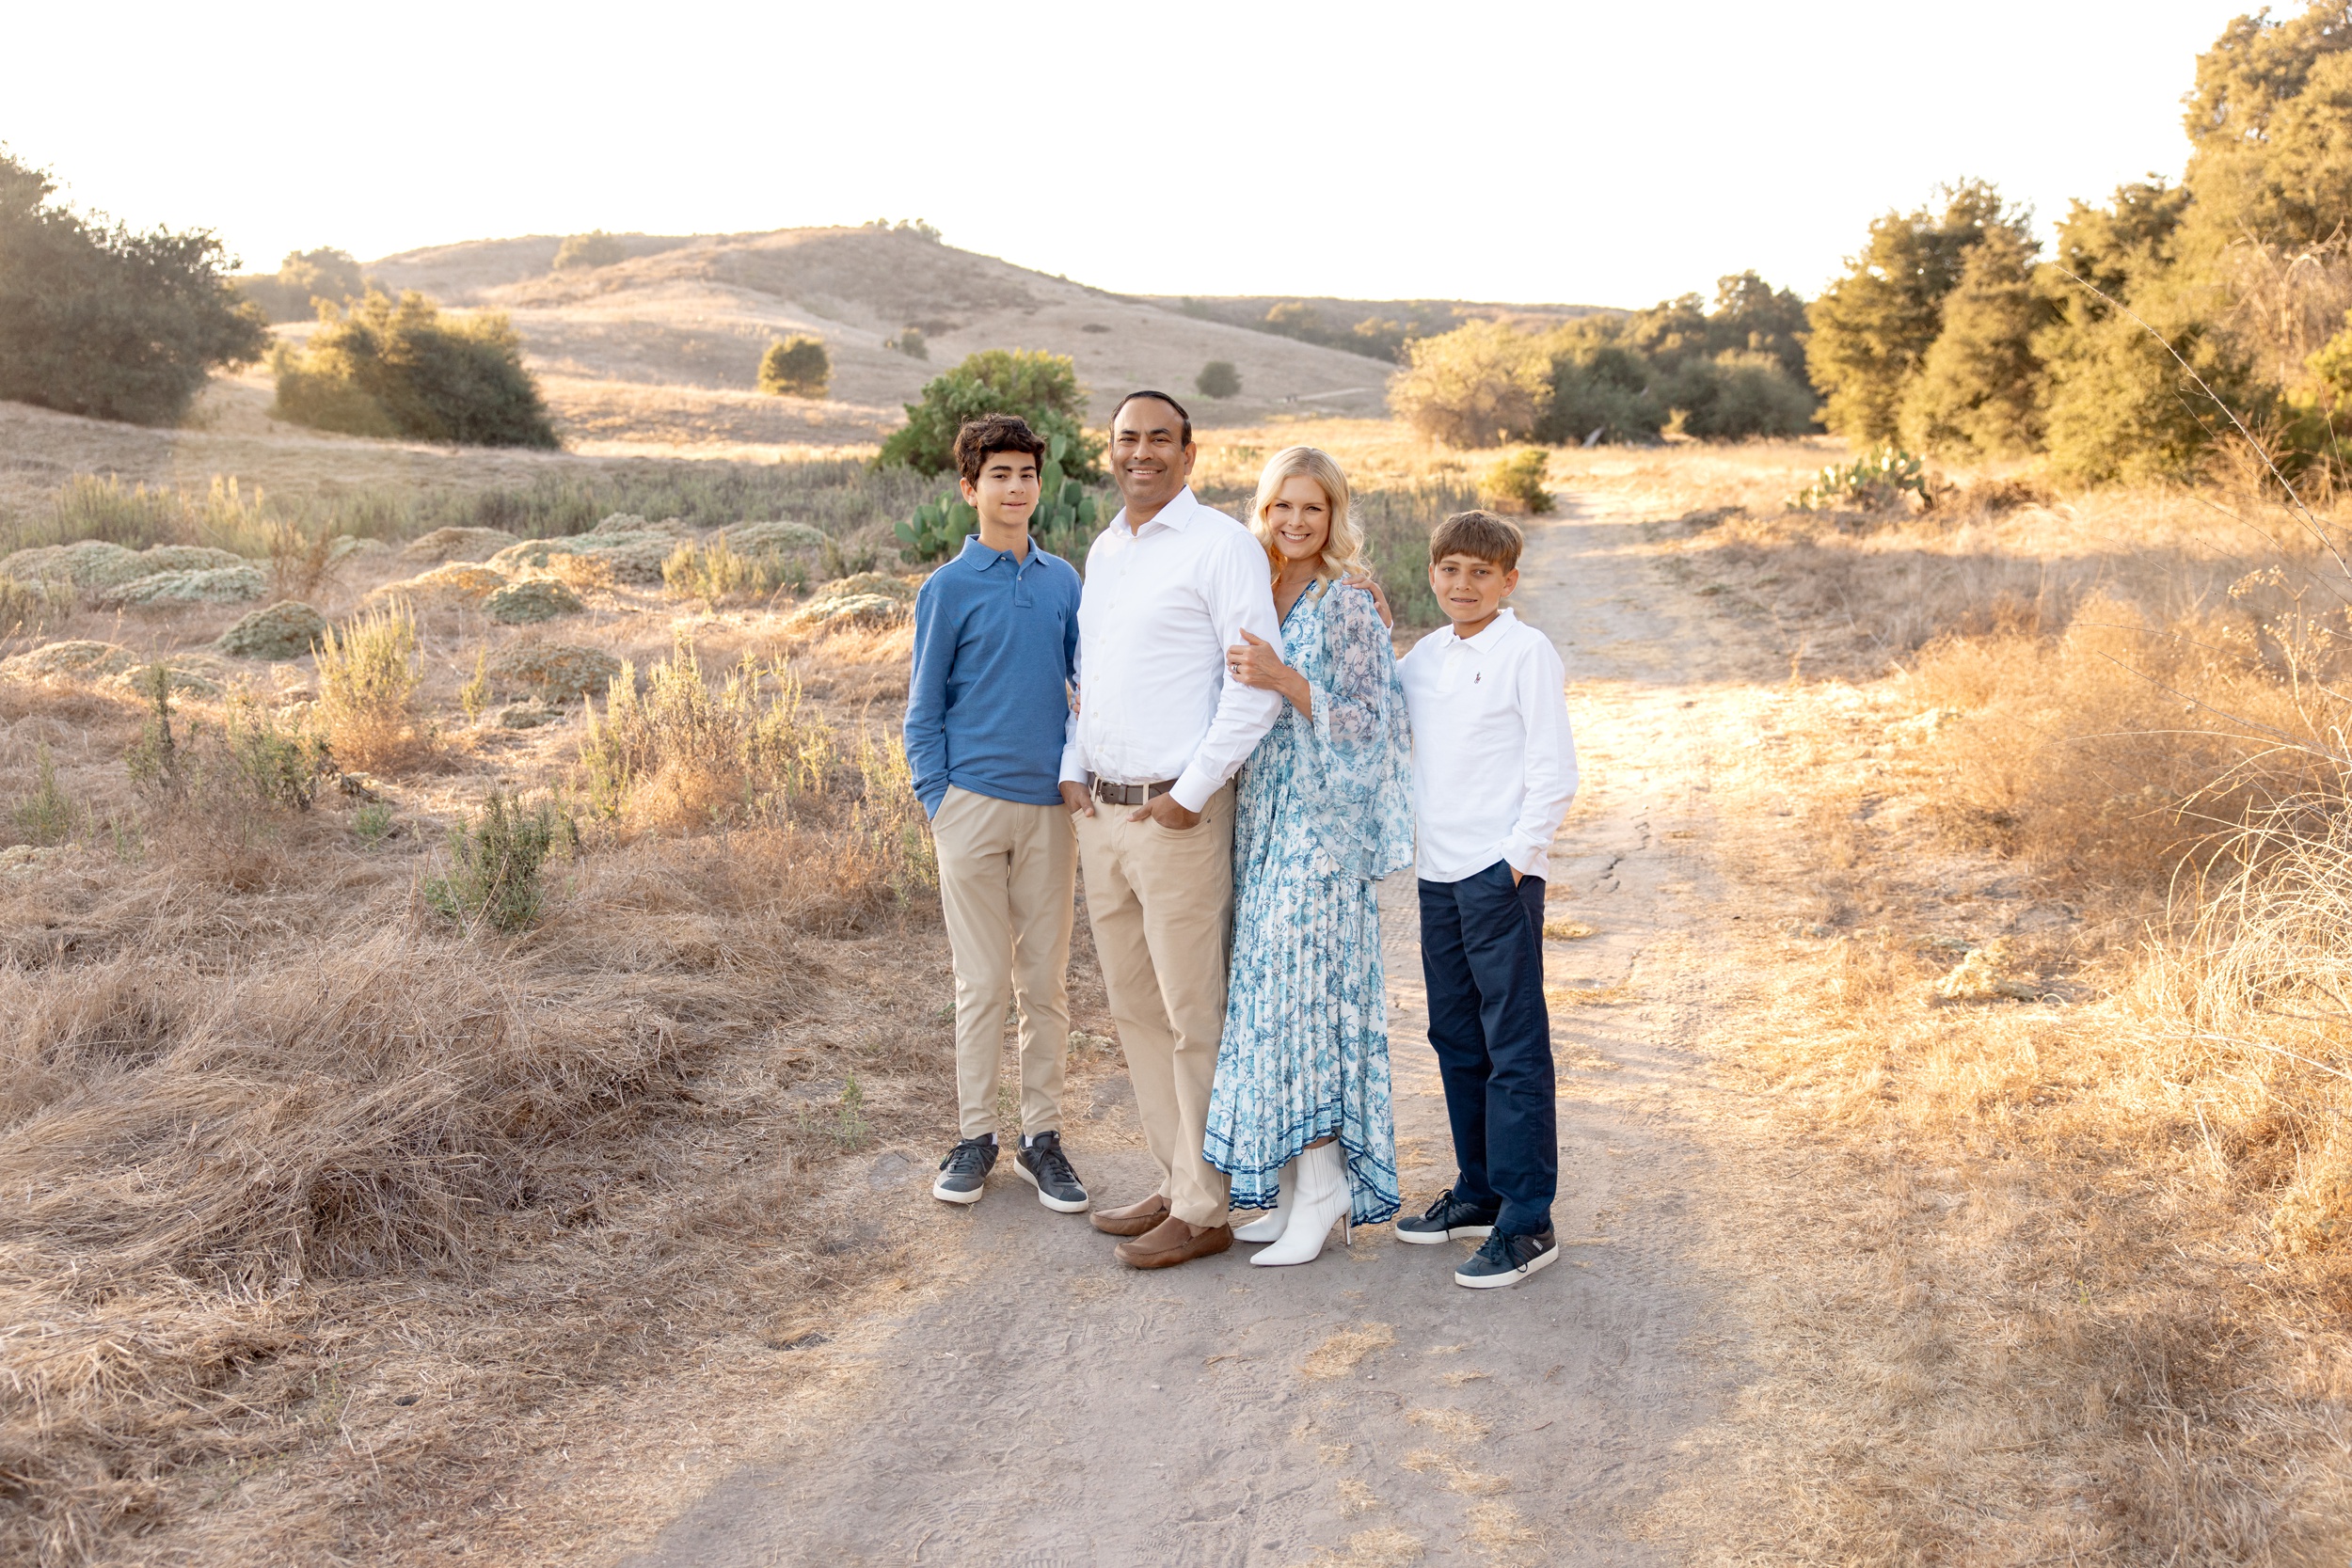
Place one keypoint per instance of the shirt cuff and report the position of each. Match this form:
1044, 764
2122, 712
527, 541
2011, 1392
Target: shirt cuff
1073, 767
1194, 786
1521, 853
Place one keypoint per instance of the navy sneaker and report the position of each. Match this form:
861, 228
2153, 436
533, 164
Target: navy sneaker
1041, 1163
1507, 1259
1446, 1219
964, 1172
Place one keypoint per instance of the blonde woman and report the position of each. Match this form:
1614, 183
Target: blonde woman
1299, 1115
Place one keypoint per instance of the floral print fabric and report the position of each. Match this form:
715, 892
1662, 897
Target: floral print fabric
1323, 810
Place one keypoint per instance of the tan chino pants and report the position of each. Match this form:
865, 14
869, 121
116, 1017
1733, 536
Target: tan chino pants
1007, 873
1161, 903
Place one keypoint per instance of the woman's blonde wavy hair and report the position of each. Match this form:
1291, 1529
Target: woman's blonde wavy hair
1343, 549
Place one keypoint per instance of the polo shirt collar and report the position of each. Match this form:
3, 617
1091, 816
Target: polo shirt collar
1486, 638
972, 547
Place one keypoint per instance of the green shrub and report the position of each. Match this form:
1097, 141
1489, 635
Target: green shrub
1041, 388
372, 824
389, 368
153, 761
1734, 396
1217, 379
595, 248
474, 698
27, 609
1600, 392
494, 865
1478, 386
274, 766
679, 751
48, 816
910, 342
796, 367
104, 321
716, 573
1517, 483
369, 673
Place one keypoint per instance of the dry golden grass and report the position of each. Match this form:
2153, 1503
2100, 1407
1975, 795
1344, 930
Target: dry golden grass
327, 1218
2080, 1293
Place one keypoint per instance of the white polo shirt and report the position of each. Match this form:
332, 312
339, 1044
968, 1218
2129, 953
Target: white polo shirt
1494, 763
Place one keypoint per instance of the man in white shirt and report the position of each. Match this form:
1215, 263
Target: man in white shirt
1494, 768
1160, 731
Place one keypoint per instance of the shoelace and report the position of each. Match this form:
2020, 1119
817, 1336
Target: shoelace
1051, 1164
964, 1157
1498, 1249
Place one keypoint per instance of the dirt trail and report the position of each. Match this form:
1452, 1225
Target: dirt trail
1047, 1407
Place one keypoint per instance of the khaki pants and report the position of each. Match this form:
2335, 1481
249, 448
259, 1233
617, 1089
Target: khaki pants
1161, 903
1006, 876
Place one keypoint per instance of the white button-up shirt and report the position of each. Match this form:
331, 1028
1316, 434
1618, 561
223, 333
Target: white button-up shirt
1494, 765
1162, 604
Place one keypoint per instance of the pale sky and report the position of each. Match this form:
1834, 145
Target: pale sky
1603, 154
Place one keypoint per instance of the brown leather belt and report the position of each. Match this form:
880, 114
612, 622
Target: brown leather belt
1129, 794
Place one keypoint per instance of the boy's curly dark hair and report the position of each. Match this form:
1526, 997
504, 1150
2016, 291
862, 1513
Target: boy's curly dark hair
984, 438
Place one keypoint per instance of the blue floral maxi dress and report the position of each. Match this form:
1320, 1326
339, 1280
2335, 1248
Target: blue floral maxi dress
1323, 809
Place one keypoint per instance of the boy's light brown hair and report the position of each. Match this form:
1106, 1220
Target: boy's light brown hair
1481, 535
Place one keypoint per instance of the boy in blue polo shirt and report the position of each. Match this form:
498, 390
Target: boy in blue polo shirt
996, 645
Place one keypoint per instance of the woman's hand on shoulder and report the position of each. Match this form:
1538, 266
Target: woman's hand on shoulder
1379, 600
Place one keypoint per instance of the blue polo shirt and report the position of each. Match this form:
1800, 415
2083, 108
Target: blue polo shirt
995, 647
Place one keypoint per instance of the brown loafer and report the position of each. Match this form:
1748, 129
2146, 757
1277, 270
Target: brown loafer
1130, 1219
1172, 1241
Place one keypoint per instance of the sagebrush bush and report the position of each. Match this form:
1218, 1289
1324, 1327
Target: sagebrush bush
48, 815
274, 765
716, 573
100, 320
796, 367
1041, 388
680, 751
29, 608
1517, 483
401, 368
493, 878
369, 671
1217, 379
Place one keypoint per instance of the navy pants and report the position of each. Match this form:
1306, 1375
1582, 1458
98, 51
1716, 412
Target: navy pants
1482, 956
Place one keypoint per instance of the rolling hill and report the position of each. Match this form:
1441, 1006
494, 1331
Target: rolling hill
659, 351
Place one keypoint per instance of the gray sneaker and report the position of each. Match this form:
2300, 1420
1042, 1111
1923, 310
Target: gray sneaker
1507, 1259
963, 1175
1041, 1163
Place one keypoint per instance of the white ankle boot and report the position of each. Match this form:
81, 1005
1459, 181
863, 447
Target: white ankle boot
1269, 1229
1322, 1197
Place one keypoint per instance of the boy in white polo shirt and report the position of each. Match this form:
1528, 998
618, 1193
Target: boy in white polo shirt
1494, 768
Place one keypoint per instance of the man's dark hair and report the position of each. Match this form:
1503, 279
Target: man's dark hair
1164, 397
984, 438
1481, 535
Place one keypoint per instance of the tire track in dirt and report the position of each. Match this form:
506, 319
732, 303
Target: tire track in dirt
1038, 1405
